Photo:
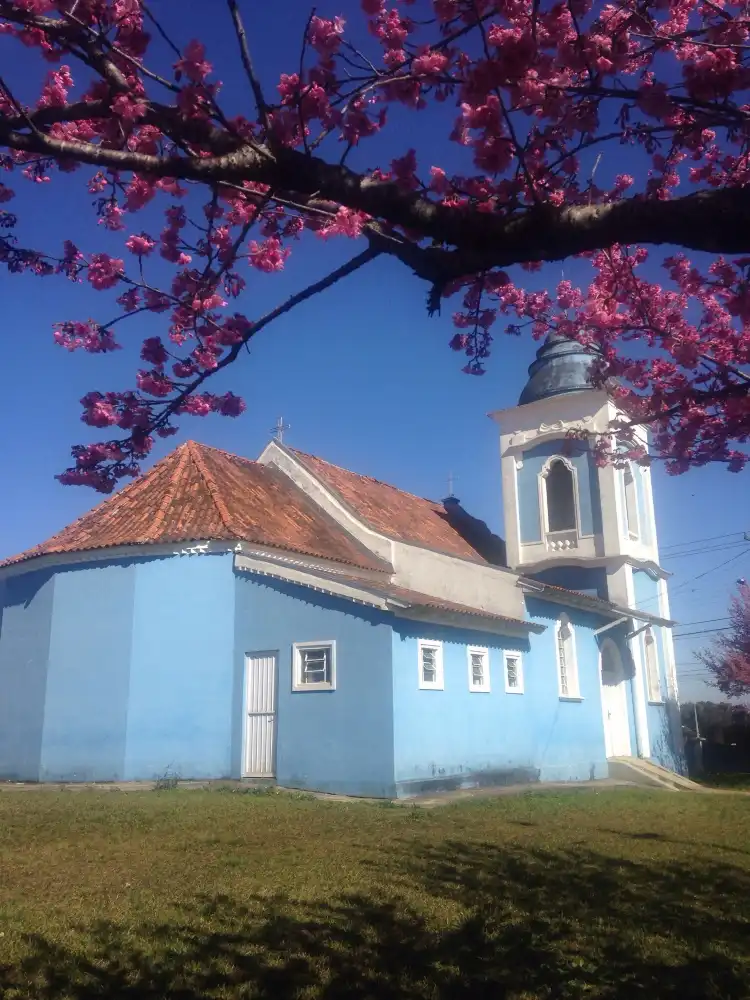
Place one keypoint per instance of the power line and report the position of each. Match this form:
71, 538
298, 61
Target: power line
704, 551
702, 631
704, 621
700, 541
698, 576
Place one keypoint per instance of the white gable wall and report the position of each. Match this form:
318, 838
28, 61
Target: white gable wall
436, 574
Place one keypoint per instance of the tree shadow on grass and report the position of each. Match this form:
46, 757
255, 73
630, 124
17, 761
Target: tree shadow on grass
490, 923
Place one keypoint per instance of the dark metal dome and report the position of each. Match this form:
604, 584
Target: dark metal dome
562, 365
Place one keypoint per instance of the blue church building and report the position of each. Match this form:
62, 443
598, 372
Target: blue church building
288, 619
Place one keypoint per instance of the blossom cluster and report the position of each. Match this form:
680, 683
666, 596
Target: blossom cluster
528, 92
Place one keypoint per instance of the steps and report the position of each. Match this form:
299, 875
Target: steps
646, 773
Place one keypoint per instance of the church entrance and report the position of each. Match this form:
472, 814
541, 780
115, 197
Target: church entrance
614, 701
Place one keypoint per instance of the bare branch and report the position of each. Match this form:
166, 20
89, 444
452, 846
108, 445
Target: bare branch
247, 62
307, 293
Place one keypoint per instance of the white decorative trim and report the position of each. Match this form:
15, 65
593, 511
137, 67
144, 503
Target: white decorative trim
553, 429
574, 685
439, 683
297, 684
648, 639
519, 689
158, 550
639, 694
485, 653
634, 534
670, 669
567, 538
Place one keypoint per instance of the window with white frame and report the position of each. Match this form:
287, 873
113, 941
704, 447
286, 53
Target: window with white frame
430, 665
567, 664
513, 672
631, 502
559, 492
314, 666
479, 668
652, 665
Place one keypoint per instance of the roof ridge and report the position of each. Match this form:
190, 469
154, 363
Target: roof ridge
303, 455
194, 449
158, 521
220, 451
133, 486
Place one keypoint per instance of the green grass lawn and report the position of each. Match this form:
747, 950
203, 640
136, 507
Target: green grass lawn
192, 894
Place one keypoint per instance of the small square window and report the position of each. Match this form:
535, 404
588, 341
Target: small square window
314, 666
430, 665
479, 668
513, 672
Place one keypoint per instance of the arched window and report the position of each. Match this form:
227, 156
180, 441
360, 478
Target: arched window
652, 665
559, 486
631, 502
567, 664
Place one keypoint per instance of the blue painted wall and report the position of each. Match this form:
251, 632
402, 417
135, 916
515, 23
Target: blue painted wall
337, 741
589, 504
459, 737
181, 707
88, 673
24, 650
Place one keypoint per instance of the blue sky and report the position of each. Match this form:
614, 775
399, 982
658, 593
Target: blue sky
362, 375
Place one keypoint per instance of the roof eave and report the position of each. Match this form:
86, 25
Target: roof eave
470, 620
574, 599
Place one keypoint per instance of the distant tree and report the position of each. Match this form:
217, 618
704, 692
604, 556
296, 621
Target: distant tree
728, 660
717, 721
523, 97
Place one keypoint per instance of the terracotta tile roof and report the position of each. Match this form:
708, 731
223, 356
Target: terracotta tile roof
402, 515
199, 493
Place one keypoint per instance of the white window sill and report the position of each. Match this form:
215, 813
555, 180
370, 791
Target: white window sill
431, 687
659, 701
479, 691
302, 688
514, 690
571, 697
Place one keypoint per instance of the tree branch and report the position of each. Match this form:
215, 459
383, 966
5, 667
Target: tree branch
307, 293
247, 62
716, 221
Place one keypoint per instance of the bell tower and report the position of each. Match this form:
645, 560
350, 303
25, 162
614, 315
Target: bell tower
566, 519
574, 524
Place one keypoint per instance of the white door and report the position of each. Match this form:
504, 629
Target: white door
614, 702
260, 716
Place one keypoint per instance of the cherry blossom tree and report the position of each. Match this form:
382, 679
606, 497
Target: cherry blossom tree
728, 660
529, 93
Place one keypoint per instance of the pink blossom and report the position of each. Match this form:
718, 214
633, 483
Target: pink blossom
193, 63
269, 255
141, 245
229, 405
112, 217
154, 383
129, 108
153, 352
429, 63
104, 271
324, 35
